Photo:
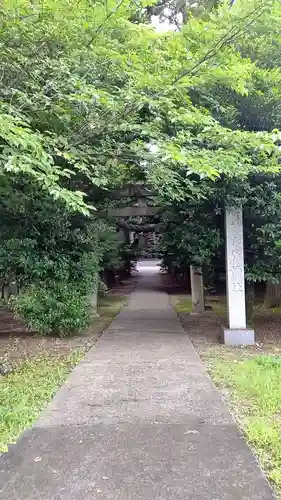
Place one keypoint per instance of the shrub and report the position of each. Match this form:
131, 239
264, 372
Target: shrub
56, 308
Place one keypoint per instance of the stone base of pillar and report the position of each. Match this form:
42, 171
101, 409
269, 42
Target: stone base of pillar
238, 336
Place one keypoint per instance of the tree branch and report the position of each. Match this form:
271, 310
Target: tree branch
224, 40
108, 16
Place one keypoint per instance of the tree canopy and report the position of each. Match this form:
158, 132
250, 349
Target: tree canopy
93, 97
86, 92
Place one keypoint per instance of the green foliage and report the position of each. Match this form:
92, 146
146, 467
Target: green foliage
57, 309
91, 99
82, 100
189, 235
111, 250
193, 233
41, 240
237, 148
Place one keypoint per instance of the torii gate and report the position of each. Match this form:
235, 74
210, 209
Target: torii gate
140, 209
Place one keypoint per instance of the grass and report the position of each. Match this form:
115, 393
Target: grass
110, 305
184, 305
26, 391
255, 397
219, 305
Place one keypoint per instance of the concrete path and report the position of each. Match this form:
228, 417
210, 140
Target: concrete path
138, 419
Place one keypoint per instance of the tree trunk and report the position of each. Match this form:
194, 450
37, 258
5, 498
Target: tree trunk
272, 297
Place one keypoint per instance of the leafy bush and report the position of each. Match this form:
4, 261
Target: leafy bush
57, 308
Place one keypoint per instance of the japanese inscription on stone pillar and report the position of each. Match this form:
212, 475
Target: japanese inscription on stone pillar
235, 267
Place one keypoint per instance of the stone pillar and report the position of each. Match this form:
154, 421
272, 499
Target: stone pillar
197, 290
237, 332
126, 236
121, 236
94, 297
5, 292
142, 241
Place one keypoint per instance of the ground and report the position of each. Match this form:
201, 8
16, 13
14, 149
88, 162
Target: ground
138, 419
249, 378
41, 364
